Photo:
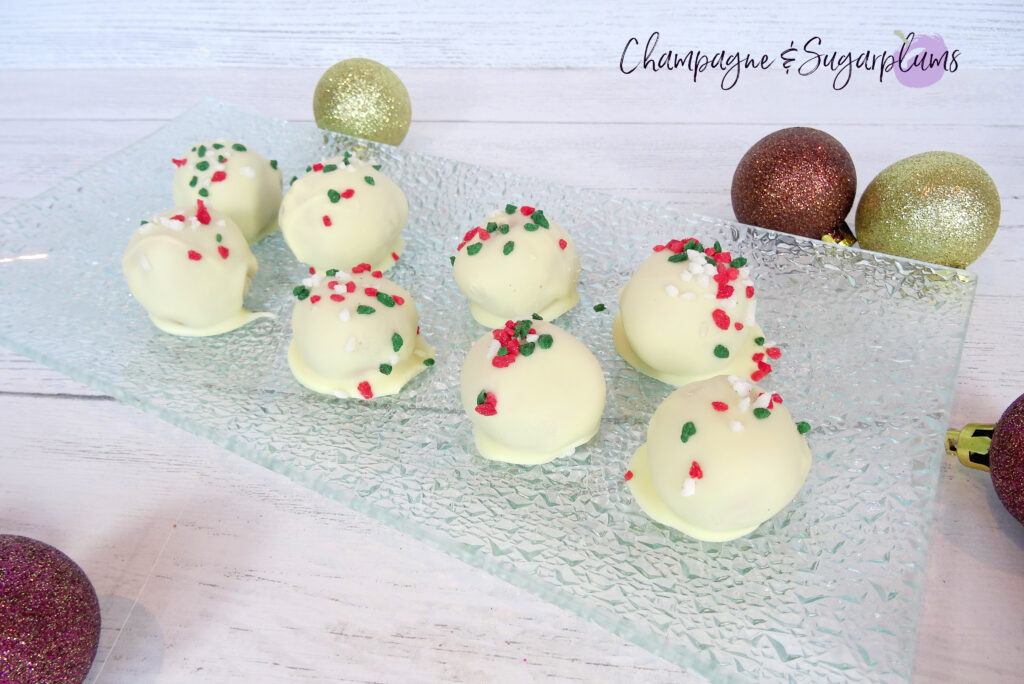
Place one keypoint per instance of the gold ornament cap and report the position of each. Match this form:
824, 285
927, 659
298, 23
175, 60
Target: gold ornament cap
363, 98
971, 444
939, 207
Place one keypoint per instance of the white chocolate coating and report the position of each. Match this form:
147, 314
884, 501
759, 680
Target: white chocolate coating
190, 282
340, 215
545, 404
671, 321
538, 275
237, 182
338, 350
749, 468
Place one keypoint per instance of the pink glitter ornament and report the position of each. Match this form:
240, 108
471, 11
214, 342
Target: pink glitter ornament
49, 614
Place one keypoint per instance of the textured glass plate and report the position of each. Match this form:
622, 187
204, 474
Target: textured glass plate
827, 591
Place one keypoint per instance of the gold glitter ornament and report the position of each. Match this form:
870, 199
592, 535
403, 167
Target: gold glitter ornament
936, 206
363, 98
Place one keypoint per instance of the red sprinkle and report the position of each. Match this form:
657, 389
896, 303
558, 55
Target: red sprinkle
469, 234
399, 300
725, 291
562, 243
360, 268
486, 410
757, 375
218, 176
179, 162
202, 215
312, 271
365, 390
327, 220
750, 291
350, 286
758, 357
461, 245
695, 472
776, 399
503, 361
773, 352
370, 291
314, 299
394, 256
675, 246
657, 248
721, 319
738, 325
484, 235
178, 217
332, 284
194, 255
348, 193
628, 476
526, 211
377, 274
337, 298
318, 167
719, 406
223, 251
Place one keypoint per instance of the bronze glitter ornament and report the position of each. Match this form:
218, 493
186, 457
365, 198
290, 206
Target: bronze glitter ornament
797, 180
363, 98
998, 448
936, 206
49, 615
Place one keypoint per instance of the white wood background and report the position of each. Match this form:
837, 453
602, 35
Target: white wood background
212, 569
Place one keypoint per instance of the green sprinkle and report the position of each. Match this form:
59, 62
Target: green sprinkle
474, 248
292, 181
428, 362
530, 227
721, 351
710, 260
385, 368
502, 352
331, 272
301, 292
510, 208
203, 192
368, 179
759, 341
333, 195
536, 317
676, 258
481, 398
491, 227
273, 163
363, 309
192, 183
219, 237
376, 167
217, 146
739, 262
203, 165
599, 307
761, 413
330, 167
522, 329
527, 348
803, 427
201, 151
386, 299
503, 229
507, 249
545, 341
193, 148
238, 147
541, 220
308, 169
718, 246
143, 222
453, 260
396, 341
689, 430
221, 159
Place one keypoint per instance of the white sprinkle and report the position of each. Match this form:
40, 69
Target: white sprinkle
686, 275
704, 329
688, 295
248, 172
342, 275
218, 167
344, 315
313, 280
339, 394
763, 401
532, 337
492, 351
695, 267
144, 263
703, 280
689, 487
729, 303
709, 270
350, 346
393, 360
170, 223
220, 223
206, 183
736, 426
743, 404
739, 385
672, 290
193, 222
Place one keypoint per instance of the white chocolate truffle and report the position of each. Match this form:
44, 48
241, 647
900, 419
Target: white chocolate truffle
190, 270
532, 391
234, 180
342, 213
721, 457
688, 314
518, 263
355, 334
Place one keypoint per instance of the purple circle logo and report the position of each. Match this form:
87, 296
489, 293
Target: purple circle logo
921, 60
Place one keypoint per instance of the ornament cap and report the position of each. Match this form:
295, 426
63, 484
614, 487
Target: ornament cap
970, 444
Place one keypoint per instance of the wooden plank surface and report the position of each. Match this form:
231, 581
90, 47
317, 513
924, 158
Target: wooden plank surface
213, 568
